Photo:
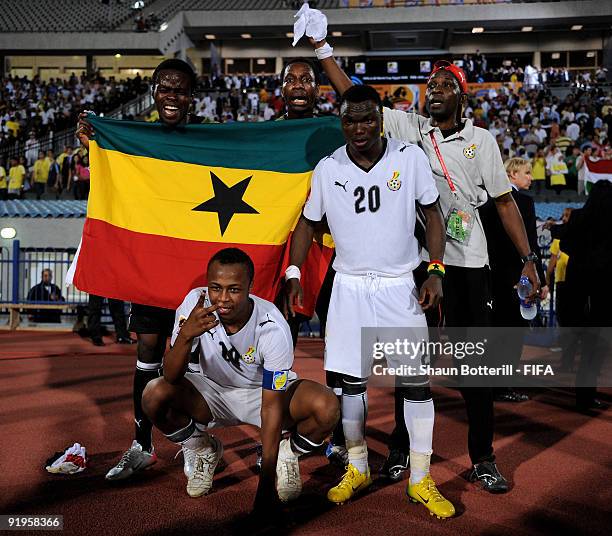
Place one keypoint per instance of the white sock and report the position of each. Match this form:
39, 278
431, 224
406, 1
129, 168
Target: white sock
200, 439
358, 457
419, 419
285, 451
419, 466
354, 413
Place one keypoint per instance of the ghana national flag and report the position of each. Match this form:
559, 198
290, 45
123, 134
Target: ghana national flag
164, 200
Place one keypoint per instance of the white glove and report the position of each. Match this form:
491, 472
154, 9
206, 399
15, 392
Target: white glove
311, 22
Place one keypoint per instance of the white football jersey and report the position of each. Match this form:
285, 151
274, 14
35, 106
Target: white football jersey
371, 214
239, 360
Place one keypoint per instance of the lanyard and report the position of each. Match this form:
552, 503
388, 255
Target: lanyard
441, 160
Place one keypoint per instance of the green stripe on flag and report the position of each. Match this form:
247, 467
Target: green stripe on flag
294, 146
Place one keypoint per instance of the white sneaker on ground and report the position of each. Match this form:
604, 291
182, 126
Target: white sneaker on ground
288, 479
202, 472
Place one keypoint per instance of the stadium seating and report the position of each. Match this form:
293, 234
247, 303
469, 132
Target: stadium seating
63, 15
166, 9
92, 15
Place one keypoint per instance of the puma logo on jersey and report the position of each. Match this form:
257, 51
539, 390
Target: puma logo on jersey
343, 186
261, 324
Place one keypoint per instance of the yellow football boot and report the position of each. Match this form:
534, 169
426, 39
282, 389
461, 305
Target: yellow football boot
426, 493
352, 482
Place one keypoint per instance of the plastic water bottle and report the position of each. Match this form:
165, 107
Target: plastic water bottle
523, 289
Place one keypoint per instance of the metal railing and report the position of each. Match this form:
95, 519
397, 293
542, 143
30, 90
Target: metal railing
137, 106
56, 141
21, 268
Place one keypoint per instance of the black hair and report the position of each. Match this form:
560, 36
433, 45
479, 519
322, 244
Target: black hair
362, 93
305, 61
234, 256
175, 64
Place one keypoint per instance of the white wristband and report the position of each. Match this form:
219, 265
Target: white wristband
292, 272
326, 51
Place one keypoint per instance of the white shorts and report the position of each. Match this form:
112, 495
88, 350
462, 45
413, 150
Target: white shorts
370, 302
230, 406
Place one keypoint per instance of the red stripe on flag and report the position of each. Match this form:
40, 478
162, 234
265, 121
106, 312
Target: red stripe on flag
599, 166
158, 270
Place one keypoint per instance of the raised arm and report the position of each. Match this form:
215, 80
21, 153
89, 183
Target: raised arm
337, 76
200, 320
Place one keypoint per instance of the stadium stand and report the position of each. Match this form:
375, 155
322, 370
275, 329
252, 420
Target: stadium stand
91, 15
63, 15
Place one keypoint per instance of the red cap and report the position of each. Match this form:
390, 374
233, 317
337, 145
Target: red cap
457, 72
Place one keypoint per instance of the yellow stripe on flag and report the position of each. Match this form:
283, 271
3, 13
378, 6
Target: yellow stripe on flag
157, 197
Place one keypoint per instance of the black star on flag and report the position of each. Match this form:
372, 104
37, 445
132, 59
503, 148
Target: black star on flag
227, 201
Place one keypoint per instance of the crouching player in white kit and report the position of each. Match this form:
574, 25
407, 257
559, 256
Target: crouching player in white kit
246, 354
368, 190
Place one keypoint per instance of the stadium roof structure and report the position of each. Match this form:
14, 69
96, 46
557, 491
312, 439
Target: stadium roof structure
43, 209
83, 25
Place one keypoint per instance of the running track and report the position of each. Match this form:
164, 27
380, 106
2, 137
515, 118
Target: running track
57, 389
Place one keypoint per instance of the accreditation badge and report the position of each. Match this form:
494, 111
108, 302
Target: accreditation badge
460, 220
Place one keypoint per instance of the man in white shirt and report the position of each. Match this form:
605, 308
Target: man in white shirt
245, 353
367, 191
573, 130
541, 133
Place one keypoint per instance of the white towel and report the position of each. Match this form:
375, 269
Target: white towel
311, 22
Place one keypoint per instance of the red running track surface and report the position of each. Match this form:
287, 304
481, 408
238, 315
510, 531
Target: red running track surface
57, 389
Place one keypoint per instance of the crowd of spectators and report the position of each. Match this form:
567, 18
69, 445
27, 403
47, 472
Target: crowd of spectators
32, 109
64, 175
477, 69
554, 134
